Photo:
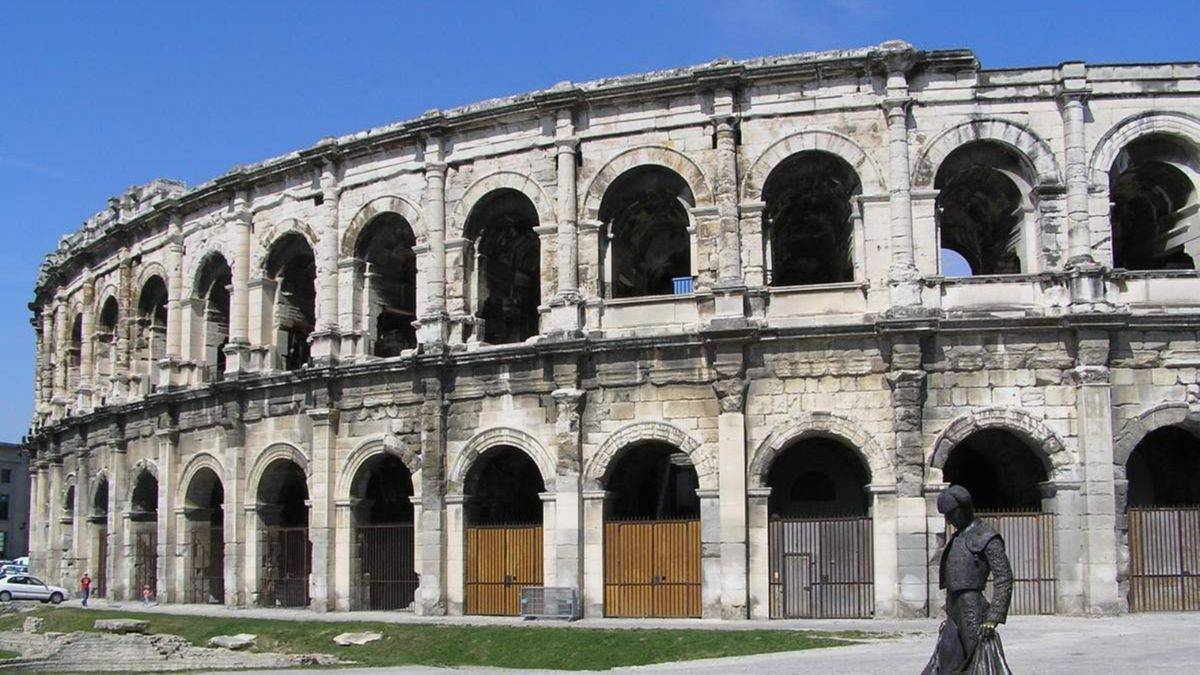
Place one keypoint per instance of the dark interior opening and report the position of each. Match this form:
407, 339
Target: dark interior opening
645, 216
652, 480
503, 488
999, 469
809, 219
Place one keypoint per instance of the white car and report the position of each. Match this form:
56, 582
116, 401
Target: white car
25, 587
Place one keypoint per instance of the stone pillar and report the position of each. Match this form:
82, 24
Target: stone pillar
184, 560
1064, 500
238, 227
885, 549
907, 380
168, 441
345, 574
710, 554
1072, 101
433, 324
119, 563
81, 534
321, 513
568, 506
354, 316
1093, 410
935, 540
51, 355
325, 336
87, 350
549, 539
731, 452
902, 272
566, 318
62, 361
237, 559
37, 546
175, 308
432, 531
52, 502
455, 555
593, 552
760, 563
729, 290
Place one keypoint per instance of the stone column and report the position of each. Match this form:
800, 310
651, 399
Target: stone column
175, 308
325, 336
885, 549
710, 554
321, 514
729, 290
37, 546
902, 272
593, 552
1093, 410
354, 319
235, 525
731, 441
52, 502
345, 576
549, 539
119, 564
1064, 500
455, 555
907, 380
168, 441
62, 360
566, 318
760, 563
51, 355
433, 326
568, 507
238, 226
81, 535
184, 559
87, 350
432, 566
1072, 101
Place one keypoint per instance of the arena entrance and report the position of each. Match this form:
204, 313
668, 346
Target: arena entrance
143, 521
819, 533
652, 534
204, 511
1003, 475
503, 531
383, 567
1164, 522
99, 524
283, 546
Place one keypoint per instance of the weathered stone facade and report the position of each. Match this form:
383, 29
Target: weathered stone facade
166, 327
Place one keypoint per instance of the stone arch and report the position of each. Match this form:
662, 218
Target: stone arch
597, 467
1152, 419
818, 425
1044, 442
109, 292
375, 207
1177, 124
368, 450
101, 478
147, 465
273, 233
497, 436
194, 265
657, 155
500, 180
198, 461
1034, 152
274, 451
153, 269
821, 140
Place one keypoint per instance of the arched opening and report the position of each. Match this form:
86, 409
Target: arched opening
820, 532
210, 309
504, 273
383, 568
143, 521
647, 234
285, 552
98, 523
68, 505
204, 509
151, 342
389, 283
75, 353
105, 352
503, 514
652, 533
1164, 521
808, 219
1004, 475
292, 269
1152, 186
983, 205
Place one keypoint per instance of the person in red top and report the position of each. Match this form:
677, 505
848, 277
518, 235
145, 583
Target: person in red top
85, 583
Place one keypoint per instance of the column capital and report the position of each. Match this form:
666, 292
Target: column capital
896, 107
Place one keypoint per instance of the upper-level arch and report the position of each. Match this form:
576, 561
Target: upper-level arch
674, 160
503, 180
817, 424
376, 207
1032, 150
271, 234
823, 140
494, 438
1179, 125
597, 468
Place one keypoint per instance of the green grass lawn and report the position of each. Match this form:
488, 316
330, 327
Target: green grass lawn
5, 654
499, 646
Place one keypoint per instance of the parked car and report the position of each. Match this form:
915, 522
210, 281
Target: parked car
10, 570
25, 587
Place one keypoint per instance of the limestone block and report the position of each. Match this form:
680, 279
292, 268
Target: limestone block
33, 624
351, 639
234, 642
122, 626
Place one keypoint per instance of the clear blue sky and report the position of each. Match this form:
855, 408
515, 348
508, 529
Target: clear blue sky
100, 96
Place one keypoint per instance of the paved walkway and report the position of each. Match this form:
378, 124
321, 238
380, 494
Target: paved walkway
1136, 643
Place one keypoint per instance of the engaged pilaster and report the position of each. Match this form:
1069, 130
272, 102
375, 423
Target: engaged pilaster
324, 339
433, 323
237, 223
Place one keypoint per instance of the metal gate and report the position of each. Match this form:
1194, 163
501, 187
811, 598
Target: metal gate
100, 580
387, 566
1164, 550
145, 563
286, 563
652, 568
1029, 542
821, 568
501, 560
208, 565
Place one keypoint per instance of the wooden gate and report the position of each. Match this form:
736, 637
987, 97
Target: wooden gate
821, 568
208, 565
286, 563
145, 563
501, 560
1164, 550
652, 568
387, 566
1029, 541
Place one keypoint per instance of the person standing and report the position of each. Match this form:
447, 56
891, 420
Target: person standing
85, 584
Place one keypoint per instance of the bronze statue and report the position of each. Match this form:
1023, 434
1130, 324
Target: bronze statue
974, 551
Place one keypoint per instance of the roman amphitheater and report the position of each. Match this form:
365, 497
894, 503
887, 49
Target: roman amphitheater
698, 342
